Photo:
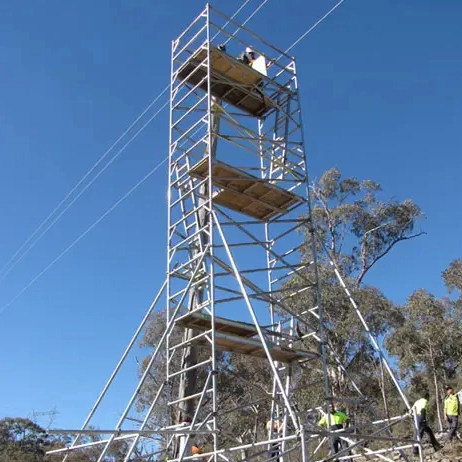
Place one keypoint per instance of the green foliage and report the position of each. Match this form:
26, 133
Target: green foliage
22, 440
356, 226
453, 275
347, 342
427, 341
418, 342
358, 229
354, 229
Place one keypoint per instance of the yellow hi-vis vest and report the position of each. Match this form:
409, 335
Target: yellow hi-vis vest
420, 404
337, 418
451, 405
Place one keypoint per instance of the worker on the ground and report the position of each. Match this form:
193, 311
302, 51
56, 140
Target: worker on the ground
338, 421
421, 410
451, 412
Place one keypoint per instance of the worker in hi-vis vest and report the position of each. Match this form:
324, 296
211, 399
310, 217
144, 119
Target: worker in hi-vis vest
421, 410
338, 420
451, 412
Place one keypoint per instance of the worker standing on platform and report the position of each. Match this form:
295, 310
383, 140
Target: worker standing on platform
338, 421
247, 57
451, 412
257, 63
421, 410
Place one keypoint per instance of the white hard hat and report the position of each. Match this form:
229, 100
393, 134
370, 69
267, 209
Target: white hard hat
249, 50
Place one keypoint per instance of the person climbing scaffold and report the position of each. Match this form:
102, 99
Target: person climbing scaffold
274, 429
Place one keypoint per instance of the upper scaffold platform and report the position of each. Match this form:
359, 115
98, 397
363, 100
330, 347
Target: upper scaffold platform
231, 80
239, 337
245, 193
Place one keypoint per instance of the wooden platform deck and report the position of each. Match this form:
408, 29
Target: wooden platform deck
246, 193
202, 321
240, 337
232, 81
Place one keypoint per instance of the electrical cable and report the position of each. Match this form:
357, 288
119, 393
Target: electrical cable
316, 24
85, 176
104, 215
50, 225
10, 264
233, 16
137, 185
244, 23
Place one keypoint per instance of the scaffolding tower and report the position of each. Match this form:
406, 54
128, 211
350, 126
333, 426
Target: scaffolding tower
238, 206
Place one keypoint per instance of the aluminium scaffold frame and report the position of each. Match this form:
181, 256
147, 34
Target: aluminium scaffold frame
238, 199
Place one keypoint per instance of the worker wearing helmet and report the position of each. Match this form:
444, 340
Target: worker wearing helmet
248, 56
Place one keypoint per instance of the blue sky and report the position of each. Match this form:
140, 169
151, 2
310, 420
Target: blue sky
382, 99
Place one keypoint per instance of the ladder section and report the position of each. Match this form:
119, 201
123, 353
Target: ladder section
281, 129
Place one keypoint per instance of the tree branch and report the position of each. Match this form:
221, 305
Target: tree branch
333, 243
252, 384
367, 267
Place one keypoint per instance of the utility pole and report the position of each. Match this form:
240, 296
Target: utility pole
188, 380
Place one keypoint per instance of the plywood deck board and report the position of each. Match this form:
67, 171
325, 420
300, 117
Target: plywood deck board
246, 193
203, 321
231, 80
245, 205
241, 337
253, 347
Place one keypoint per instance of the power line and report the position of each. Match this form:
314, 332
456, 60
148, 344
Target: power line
137, 185
104, 215
2, 276
262, 4
69, 205
66, 197
234, 15
254, 12
4, 271
316, 24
